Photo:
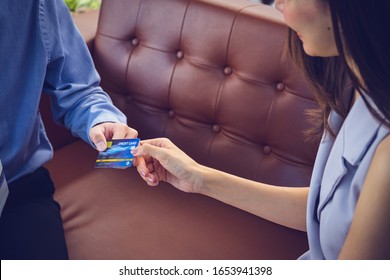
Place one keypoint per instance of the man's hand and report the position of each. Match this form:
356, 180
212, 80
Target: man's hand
100, 133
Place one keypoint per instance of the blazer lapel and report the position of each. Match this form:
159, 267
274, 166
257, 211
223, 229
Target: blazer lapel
352, 142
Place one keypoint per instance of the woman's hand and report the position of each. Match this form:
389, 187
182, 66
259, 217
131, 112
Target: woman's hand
160, 160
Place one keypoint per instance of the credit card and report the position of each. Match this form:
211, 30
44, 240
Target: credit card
117, 154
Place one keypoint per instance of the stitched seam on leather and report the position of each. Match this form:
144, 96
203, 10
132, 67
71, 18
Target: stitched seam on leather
238, 12
174, 68
131, 53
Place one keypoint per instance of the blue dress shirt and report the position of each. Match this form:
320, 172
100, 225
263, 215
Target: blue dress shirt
41, 50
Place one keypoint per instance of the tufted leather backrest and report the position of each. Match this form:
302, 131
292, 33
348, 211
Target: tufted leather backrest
209, 75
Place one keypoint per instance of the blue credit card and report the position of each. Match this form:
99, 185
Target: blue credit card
117, 154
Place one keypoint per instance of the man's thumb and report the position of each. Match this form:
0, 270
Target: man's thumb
100, 142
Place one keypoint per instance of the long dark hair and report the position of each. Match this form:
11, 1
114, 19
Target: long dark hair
361, 28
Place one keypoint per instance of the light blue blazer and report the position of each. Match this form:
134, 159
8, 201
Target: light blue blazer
338, 176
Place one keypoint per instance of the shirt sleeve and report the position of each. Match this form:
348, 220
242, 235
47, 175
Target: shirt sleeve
78, 102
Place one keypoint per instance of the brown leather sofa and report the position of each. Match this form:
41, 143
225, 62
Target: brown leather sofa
211, 76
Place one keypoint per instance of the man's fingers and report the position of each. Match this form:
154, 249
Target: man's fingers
98, 138
120, 131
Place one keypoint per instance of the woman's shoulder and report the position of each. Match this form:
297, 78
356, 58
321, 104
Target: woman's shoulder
379, 168
382, 153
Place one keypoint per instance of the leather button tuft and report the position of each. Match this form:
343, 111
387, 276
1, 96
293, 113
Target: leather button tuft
180, 54
171, 114
267, 150
228, 70
135, 42
216, 128
280, 86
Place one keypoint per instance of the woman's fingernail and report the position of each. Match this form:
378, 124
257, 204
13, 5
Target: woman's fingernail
134, 152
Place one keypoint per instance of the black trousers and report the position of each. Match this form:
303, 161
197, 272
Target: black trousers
31, 225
